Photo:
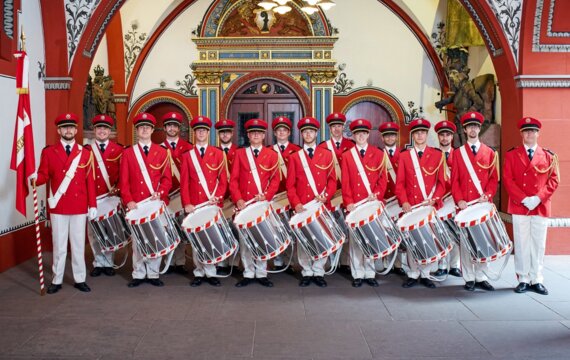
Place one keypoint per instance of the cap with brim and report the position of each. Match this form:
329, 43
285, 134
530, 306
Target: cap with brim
308, 123
67, 119
529, 123
255, 125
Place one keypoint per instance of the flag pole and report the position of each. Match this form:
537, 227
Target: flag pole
38, 240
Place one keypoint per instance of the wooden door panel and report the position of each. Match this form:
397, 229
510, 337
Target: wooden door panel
241, 112
289, 110
374, 113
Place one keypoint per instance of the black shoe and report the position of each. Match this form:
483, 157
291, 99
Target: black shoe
53, 288
197, 281
440, 272
170, 269
522, 288
345, 269
305, 281
265, 282
372, 282
180, 269
455, 272
82, 287
109, 271
135, 283
223, 270
427, 283
320, 281
244, 282
357, 283
214, 281
97, 271
278, 267
398, 271
484, 285
155, 282
410, 283
539, 289
469, 286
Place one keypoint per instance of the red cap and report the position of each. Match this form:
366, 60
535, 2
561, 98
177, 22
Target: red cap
281, 121
144, 119
389, 128
255, 125
529, 123
201, 122
225, 125
419, 124
172, 117
336, 119
67, 119
360, 125
472, 117
308, 123
103, 120
445, 125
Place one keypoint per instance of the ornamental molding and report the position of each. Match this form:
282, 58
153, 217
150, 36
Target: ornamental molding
77, 15
509, 14
8, 18
537, 46
549, 31
322, 76
273, 42
169, 100
57, 83
207, 77
121, 98
543, 81
101, 30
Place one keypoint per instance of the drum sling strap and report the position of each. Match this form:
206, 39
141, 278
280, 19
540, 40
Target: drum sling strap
253, 168
69, 174
173, 166
337, 171
201, 176
361, 171
391, 171
282, 165
102, 167
308, 172
471, 170
420, 176
144, 170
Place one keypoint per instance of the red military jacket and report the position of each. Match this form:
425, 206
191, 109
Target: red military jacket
80, 194
182, 146
407, 186
449, 166
213, 167
321, 167
230, 156
242, 185
375, 166
286, 154
523, 178
486, 166
394, 162
345, 144
133, 187
112, 160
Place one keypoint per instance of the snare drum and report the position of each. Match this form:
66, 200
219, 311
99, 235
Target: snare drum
262, 230
210, 234
110, 228
153, 229
446, 215
338, 211
373, 230
483, 232
393, 209
280, 204
228, 209
426, 238
317, 231
177, 212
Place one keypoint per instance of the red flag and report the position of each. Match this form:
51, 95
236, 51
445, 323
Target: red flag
23, 158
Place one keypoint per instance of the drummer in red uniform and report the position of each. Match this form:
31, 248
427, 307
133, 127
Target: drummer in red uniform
445, 130
300, 182
243, 187
172, 122
531, 176
107, 159
429, 189
390, 132
206, 185
134, 187
73, 199
364, 177
479, 185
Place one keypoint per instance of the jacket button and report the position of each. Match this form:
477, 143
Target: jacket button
524, 184
524, 174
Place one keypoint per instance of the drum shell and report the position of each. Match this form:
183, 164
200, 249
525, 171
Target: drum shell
110, 228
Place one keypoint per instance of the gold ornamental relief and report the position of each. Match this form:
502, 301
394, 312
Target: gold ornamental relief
206, 77
322, 76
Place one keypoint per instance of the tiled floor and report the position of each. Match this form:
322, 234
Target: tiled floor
285, 322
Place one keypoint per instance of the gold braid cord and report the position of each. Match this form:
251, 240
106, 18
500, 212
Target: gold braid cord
379, 166
325, 167
269, 168
212, 168
227, 164
115, 159
554, 165
495, 164
89, 163
442, 161
166, 161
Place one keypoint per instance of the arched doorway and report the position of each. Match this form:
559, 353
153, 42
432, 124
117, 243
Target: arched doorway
373, 112
264, 99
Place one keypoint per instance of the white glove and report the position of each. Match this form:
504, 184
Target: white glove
533, 202
33, 176
525, 201
92, 213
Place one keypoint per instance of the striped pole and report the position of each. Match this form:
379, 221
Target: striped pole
39, 241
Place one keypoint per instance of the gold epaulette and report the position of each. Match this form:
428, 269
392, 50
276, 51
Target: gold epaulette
554, 165
495, 164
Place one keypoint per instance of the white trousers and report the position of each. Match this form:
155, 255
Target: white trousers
309, 266
400, 260
416, 270
201, 270
141, 268
471, 271
453, 259
360, 266
251, 268
100, 259
530, 244
68, 228
179, 257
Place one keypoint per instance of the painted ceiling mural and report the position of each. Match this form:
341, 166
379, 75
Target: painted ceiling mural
77, 15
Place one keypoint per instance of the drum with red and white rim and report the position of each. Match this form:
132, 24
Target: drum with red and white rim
338, 211
177, 212
446, 214
483, 232
109, 227
262, 230
317, 231
153, 228
426, 238
280, 204
393, 209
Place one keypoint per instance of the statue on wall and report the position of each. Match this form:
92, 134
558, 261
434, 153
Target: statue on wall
99, 97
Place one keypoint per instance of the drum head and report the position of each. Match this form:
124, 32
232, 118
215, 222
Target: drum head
280, 201
474, 212
310, 209
363, 212
447, 208
144, 210
106, 205
336, 201
414, 216
251, 213
393, 209
175, 203
200, 217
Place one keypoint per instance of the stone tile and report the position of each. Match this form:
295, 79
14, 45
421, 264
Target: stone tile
262, 304
318, 339
533, 339
15, 332
422, 339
